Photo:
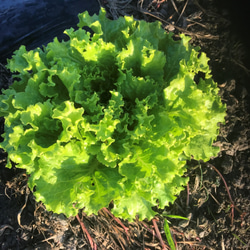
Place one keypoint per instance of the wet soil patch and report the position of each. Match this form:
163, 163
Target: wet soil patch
216, 200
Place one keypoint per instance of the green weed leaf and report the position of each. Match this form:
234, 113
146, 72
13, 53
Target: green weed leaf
169, 235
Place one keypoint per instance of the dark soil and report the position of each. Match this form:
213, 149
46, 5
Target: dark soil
216, 201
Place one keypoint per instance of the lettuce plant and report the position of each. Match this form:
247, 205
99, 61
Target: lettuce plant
111, 115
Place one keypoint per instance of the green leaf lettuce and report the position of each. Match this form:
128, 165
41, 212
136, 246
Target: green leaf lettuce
110, 116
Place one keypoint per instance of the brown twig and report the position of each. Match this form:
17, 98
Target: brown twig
4, 227
198, 35
148, 228
173, 3
158, 234
182, 11
228, 192
126, 229
192, 243
188, 194
84, 229
22, 208
153, 232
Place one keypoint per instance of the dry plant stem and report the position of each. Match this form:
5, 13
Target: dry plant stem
4, 227
173, 3
22, 208
5, 192
148, 229
184, 31
228, 192
84, 229
117, 220
158, 234
192, 244
153, 232
188, 193
182, 12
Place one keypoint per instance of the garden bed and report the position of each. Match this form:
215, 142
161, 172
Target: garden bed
216, 200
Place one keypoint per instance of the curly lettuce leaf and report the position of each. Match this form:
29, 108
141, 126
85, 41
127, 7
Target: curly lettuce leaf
110, 116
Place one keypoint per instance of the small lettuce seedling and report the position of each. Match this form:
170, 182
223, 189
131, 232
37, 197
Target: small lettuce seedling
110, 116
